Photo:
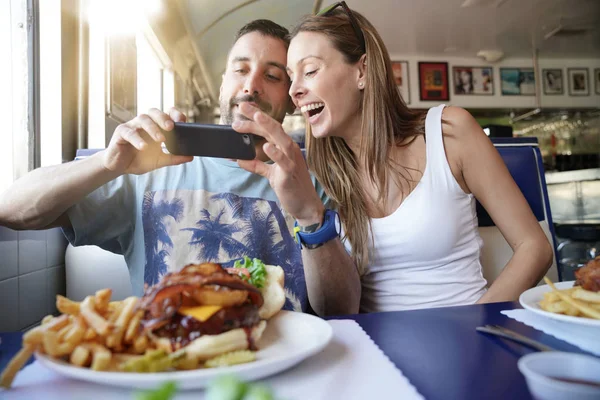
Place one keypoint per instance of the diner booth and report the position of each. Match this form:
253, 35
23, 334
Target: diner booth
527, 70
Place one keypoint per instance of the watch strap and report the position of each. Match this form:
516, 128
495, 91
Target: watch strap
316, 235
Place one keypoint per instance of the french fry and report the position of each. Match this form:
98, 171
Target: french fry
114, 311
63, 332
582, 307
93, 319
76, 333
80, 356
127, 311
53, 347
551, 297
50, 343
114, 305
102, 298
100, 356
34, 336
90, 334
15, 365
586, 295
66, 306
115, 339
56, 324
557, 307
140, 344
97, 333
133, 327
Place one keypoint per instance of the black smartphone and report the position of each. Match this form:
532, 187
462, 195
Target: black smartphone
207, 140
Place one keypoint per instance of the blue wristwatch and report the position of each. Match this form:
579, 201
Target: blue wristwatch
311, 237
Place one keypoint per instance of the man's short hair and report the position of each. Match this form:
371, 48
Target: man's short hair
267, 28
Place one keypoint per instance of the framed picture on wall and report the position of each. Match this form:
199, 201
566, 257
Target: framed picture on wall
400, 71
553, 81
578, 82
473, 80
597, 80
433, 81
517, 81
122, 78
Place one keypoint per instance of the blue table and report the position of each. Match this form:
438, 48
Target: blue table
444, 357
438, 350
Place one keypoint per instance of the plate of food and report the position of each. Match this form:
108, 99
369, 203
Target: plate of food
195, 325
576, 302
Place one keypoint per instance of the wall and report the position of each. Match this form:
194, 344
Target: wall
32, 273
497, 100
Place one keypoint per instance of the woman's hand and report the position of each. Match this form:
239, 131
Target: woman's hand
288, 176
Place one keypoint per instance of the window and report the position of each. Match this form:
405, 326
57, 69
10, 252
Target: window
16, 154
6, 111
168, 89
51, 124
149, 73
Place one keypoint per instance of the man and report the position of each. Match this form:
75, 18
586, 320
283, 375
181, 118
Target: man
163, 211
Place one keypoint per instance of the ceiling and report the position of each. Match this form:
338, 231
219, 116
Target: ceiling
416, 27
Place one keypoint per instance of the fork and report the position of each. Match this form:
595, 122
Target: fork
512, 335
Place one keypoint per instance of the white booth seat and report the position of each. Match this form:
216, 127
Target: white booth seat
523, 159
91, 268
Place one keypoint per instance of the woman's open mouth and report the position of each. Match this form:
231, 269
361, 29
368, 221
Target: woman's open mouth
313, 111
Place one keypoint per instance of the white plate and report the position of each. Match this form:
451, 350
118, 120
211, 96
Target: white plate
290, 337
530, 299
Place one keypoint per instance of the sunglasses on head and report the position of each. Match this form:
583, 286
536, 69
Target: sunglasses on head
353, 22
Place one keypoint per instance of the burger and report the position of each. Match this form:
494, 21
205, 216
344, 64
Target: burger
209, 310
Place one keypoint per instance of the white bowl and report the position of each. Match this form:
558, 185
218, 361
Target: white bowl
539, 370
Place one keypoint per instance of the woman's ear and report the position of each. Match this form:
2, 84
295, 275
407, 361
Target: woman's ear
362, 71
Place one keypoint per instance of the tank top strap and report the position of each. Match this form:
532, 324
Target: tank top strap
437, 163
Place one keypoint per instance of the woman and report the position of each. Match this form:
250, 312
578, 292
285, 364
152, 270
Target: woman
404, 183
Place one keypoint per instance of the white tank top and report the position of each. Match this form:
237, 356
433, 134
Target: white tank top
426, 253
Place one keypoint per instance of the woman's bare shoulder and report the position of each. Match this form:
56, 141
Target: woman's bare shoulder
458, 123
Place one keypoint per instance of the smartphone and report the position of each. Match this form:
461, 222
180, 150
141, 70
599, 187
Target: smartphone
207, 140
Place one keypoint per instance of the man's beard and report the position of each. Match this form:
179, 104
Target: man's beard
227, 107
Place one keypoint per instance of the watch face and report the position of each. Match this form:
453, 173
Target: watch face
338, 224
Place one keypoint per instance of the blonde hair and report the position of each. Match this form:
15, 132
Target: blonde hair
386, 123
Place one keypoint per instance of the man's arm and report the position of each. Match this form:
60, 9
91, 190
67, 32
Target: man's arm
40, 199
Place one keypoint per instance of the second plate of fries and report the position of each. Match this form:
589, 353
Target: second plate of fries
564, 302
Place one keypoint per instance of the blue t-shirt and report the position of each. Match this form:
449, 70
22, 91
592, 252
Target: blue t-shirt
208, 210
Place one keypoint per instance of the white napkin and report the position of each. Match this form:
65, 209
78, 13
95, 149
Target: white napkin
352, 366
583, 336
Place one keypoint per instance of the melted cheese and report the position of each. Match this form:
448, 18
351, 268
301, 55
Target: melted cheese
201, 313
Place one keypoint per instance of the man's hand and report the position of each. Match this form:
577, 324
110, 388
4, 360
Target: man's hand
135, 147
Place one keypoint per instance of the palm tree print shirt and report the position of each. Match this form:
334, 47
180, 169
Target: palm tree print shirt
206, 210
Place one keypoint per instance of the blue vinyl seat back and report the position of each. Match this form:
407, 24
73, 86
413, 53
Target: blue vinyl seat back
524, 162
